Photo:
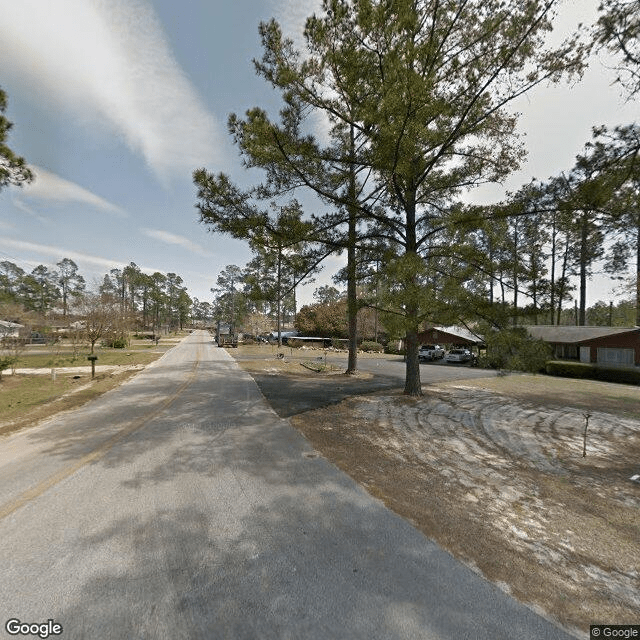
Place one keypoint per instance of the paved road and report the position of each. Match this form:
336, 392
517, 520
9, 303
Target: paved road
305, 393
181, 506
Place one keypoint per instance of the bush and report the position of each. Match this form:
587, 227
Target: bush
567, 369
619, 375
7, 362
583, 370
393, 350
515, 350
294, 344
116, 343
370, 346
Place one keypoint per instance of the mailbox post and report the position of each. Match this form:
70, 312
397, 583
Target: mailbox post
93, 359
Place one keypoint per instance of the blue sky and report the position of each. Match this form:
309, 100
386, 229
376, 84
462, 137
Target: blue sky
115, 102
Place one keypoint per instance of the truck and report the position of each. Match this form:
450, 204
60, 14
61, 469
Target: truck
430, 352
226, 336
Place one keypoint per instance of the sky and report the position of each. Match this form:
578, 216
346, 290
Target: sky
116, 102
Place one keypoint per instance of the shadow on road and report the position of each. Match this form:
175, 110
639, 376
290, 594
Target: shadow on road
290, 395
332, 566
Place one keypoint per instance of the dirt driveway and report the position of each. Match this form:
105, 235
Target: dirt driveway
493, 470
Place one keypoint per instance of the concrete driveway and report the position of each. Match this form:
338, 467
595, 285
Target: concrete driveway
182, 506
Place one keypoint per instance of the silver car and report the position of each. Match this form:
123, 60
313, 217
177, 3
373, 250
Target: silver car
458, 355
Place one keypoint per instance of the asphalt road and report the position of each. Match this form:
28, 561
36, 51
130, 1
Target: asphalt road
181, 506
305, 393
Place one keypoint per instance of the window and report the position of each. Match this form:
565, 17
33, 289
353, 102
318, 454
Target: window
616, 356
567, 351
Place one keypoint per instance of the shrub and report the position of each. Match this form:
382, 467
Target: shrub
567, 369
294, 344
583, 370
393, 350
619, 375
7, 362
515, 350
370, 346
116, 343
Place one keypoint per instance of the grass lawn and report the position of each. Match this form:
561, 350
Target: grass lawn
140, 352
593, 395
26, 399
67, 359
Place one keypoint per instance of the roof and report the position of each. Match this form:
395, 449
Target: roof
573, 334
10, 325
459, 332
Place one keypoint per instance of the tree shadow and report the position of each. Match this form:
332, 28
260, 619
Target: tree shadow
324, 564
289, 396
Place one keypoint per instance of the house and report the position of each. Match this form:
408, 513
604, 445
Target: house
452, 336
612, 346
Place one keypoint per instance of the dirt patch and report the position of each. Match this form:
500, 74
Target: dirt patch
501, 483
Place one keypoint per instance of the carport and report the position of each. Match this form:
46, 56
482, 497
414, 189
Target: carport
453, 337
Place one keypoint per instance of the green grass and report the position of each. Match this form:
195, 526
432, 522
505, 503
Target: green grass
26, 400
64, 357
20, 394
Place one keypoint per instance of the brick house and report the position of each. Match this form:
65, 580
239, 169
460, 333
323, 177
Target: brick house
616, 346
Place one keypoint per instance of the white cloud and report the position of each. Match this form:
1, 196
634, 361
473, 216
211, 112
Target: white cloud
32, 254
53, 188
109, 62
181, 241
292, 16
57, 253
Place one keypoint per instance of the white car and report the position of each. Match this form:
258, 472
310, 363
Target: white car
458, 355
430, 352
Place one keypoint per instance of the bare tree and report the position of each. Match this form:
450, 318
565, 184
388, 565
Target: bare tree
100, 318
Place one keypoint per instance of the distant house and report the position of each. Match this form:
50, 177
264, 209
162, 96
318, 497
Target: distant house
10, 329
618, 346
451, 336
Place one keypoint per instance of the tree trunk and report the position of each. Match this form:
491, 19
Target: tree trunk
563, 278
515, 265
279, 296
584, 234
352, 304
552, 289
412, 385
352, 300
638, 272
491, 269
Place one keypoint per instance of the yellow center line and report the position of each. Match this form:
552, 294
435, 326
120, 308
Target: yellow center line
36, 491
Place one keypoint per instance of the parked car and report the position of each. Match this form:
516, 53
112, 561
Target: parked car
458, 355
430, 352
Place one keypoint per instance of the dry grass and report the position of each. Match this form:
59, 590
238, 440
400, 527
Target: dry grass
28, 399
548, 391
271, 351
